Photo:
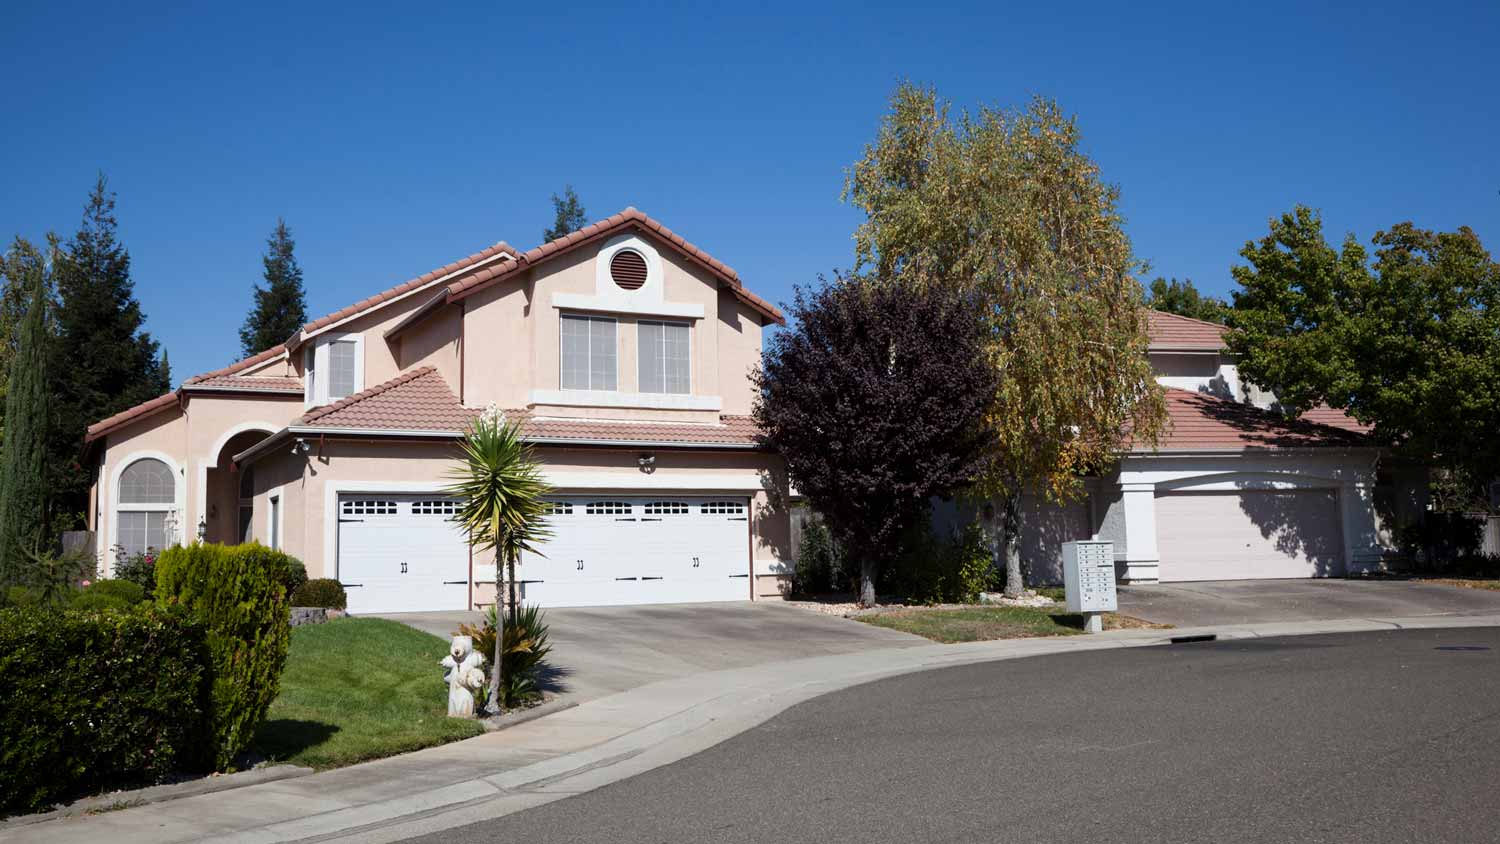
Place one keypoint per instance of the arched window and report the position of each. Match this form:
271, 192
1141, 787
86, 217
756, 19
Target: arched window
144, 507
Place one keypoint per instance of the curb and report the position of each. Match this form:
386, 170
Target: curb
504, 722
114, 800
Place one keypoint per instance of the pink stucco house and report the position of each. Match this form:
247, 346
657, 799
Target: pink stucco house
624, 350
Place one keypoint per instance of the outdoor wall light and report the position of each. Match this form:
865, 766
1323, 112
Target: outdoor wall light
648, 463
301, 446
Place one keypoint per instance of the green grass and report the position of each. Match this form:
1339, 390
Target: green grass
357, 689
977, 624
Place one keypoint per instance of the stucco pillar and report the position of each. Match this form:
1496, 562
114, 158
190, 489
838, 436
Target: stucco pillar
1142, 564
1362, 549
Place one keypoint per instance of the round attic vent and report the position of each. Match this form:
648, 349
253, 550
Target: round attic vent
628, 269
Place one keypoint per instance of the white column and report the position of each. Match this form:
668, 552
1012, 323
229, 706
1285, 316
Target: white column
1142, 563
1362, 550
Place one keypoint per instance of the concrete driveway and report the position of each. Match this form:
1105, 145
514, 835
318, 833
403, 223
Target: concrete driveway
1263, 601
598, 651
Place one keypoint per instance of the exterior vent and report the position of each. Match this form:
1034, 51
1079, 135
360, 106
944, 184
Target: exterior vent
628, 269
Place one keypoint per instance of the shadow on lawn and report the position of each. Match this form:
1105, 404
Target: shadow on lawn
282, 738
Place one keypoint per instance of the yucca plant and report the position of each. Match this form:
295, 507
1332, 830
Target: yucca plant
524, 649
501, 507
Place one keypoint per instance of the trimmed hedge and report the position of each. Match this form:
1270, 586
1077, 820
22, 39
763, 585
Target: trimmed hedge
321, 592
239, 594
97, 700
107, 595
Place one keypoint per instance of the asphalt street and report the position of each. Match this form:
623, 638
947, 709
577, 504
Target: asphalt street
1370, 737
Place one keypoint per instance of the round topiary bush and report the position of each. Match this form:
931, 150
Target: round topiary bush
321, 592
110, 594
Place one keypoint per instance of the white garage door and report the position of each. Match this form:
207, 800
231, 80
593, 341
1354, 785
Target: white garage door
1248, 534
402, 553
610, 549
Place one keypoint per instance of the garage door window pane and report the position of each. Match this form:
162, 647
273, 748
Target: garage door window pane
588, 353
664, 360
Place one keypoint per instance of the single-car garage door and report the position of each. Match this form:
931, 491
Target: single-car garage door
613, 549
1248, 534
402, 553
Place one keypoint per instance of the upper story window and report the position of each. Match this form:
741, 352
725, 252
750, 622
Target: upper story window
588, 353
334, 368
665, 363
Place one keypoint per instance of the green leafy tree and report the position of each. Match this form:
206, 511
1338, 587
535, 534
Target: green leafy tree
23, 463
876, 399
502, 509
1408, 343
104, 360
1183, 299
280, 308
1005, 204
568, 215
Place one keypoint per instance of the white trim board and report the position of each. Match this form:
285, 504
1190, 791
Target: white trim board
611, 398
654, 481
619, 304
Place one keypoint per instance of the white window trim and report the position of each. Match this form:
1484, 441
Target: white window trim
110, 535
616, 305
614, 398
592, 318
316, 393
276, 518
639, 357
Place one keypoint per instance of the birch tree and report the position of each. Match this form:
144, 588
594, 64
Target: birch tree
1003, 203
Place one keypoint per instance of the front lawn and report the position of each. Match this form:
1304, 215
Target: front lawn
1467, 582
357, 689
977, 624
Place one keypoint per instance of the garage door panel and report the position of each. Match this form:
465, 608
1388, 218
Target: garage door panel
1248, 534
402, 553
610, 549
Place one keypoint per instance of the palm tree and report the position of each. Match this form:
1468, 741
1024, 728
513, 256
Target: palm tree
500, 488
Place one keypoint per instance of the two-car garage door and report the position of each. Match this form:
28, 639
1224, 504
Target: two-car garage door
402, 553
1248, 534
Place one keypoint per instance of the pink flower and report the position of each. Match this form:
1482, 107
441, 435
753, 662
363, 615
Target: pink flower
84, 583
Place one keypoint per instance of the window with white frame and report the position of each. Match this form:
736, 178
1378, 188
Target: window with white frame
665, 362
144, 506
588, 353
334, 369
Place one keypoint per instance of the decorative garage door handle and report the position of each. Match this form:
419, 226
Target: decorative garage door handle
343, 521
580, 565
455, 583
739, 575
695, 562
626, 519
650, 520
738, 518
351, 585
627, 578
403, 567
651, 578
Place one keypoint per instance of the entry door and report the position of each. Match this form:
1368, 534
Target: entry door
612, 549
402, 553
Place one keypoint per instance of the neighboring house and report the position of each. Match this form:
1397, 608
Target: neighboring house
1234, 490
623, 350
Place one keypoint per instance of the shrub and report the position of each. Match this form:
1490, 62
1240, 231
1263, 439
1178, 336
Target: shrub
238, 592
931, 570
525, 651
296, 575
139, 569
97, 700
819, 566
110, 594
56, 577
321, 592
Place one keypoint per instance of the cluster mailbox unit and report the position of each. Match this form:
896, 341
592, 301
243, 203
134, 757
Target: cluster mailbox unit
1089, 575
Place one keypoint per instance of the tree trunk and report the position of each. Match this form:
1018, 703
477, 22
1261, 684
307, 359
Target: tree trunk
500, 636
867, 570
515, 606
1001, 520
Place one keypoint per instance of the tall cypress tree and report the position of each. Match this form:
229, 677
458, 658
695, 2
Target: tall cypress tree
281, 306
104, 362
23, 463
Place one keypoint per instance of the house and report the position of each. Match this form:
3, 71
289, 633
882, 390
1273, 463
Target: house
1234, 489
622, 350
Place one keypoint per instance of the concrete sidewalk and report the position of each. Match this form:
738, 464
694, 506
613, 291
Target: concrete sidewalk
577, 750
1270, 601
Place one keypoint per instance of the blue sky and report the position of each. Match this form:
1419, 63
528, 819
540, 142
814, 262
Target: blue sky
395, 139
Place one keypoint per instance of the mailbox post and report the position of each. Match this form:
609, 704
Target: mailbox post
1089, 575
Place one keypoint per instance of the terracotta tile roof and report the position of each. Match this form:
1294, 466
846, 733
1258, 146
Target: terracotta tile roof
1325, 415
629, 218
1170, 331
240, 365
420, 400
1200, 421
251, 383
410, 285
124, 417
